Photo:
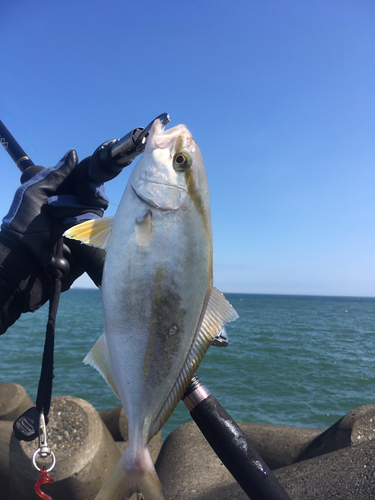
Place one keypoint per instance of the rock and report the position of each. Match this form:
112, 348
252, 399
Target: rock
311, 464
6, 431
84, 449
357, 427
346, 474
279, 445
189, 469
14, 401
187, 450
116, 423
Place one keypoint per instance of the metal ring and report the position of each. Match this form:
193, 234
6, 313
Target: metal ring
51, 454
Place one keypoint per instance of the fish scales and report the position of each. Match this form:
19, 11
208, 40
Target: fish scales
160, 307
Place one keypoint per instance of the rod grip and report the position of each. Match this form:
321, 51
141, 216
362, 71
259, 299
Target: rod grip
233, 447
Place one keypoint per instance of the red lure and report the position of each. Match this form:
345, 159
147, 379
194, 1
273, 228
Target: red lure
44, 478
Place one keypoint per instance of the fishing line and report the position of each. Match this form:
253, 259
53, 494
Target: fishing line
20, 128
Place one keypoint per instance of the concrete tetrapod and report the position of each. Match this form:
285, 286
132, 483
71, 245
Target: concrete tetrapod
6, 431
338, 463
116, 423
14, 401
84, 449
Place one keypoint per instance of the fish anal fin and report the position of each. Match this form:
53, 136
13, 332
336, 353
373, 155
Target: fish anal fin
98, 358
94, 232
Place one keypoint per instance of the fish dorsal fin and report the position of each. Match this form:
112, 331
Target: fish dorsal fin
99, 359
94, 232
218, 312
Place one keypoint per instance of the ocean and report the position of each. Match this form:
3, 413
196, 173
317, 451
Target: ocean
291, 360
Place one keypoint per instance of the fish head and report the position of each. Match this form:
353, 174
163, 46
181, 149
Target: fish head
171, 171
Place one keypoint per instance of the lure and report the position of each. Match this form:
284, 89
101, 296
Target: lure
44, 478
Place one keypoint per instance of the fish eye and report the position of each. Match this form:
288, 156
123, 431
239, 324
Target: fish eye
181, 162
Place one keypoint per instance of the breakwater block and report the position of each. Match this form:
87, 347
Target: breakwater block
338, 464
6, 431
116, 422
14, 401
84, 449
279, 445
341, 464
356, 427
189, 469
346, 474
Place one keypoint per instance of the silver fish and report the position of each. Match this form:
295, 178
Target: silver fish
160, 306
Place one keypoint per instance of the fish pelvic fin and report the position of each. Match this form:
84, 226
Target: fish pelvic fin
94, 232
98, 358
129, 477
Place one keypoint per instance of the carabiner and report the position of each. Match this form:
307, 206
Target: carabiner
43, 451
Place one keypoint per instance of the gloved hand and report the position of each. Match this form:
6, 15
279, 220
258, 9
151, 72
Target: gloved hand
44, 207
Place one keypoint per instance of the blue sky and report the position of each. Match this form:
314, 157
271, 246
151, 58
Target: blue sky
279, 95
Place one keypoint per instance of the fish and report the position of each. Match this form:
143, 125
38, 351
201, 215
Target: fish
161, 309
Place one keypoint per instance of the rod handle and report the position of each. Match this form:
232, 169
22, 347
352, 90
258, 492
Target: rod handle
231, 445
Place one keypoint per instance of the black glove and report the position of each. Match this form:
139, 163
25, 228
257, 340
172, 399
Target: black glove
43, 208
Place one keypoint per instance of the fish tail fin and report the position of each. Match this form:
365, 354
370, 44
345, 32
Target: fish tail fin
128, 478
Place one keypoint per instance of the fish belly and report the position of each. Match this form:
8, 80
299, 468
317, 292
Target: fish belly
153, 297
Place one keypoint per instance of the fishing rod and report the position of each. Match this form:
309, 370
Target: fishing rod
107, 161
231, 445
14, 150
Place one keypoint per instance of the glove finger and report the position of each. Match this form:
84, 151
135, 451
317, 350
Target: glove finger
58, 174
31, 195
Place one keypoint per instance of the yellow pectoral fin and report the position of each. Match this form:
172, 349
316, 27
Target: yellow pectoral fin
94, 232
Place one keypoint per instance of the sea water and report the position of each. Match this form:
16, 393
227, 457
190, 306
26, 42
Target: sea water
291, 360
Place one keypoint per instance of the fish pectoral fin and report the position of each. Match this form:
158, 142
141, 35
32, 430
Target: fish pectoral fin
98, 358
143, 229
94, 232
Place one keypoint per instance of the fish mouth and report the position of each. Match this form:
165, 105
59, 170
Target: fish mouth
159, 138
